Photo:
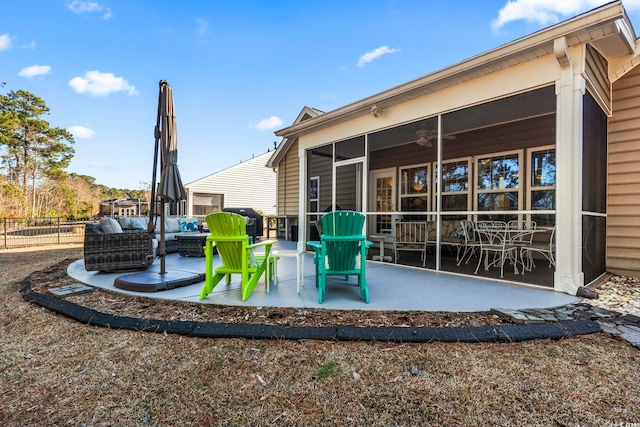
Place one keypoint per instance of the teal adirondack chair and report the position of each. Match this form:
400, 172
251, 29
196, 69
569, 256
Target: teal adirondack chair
341, 251
229, 236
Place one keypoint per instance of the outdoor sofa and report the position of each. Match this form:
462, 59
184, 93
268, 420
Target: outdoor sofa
125, 244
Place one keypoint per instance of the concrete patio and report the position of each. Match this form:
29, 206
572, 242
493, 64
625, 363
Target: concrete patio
391, 287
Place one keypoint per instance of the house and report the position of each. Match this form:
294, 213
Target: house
541, 129
245, 185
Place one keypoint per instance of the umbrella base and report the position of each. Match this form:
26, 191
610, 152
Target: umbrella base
154, 281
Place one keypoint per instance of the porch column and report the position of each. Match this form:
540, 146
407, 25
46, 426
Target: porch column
570, 89
302, 197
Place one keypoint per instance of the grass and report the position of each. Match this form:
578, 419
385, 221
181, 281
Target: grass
55, 371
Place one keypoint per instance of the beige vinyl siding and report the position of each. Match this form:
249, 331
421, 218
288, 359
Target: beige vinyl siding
623, 187
289, 182
323, 168
249, 184
596, 74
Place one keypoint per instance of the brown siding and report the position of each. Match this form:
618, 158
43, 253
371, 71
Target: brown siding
623, 200
534, 132
596, 73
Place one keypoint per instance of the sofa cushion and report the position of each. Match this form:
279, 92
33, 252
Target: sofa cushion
188, 224
110, 225
171, 225
168, 236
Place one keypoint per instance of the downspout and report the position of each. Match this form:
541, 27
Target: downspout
570, 90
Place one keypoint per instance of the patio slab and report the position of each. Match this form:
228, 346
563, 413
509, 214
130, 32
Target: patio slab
392, 287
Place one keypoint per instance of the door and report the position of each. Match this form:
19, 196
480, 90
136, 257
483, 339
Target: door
382, 199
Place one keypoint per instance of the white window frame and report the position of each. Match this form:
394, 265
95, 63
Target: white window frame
402, 195
529, 186
521, 183
470, 182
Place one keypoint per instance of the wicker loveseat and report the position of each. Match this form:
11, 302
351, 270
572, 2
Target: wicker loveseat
127, 250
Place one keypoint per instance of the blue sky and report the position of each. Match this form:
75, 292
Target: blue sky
239, 70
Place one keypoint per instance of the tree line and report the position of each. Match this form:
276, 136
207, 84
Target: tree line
34, 157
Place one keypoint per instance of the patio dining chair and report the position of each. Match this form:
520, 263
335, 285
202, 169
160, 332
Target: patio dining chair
496, 249
547, 249
471, 243
341, 251
229, 236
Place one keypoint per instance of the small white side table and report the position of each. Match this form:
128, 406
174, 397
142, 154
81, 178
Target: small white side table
283, 253
382, 256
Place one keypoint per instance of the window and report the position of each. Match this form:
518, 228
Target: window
498, 184
542, 184
204, 204
414, 188
455, 185
314, 194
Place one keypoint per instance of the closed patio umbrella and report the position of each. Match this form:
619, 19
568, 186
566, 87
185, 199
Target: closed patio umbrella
169, 188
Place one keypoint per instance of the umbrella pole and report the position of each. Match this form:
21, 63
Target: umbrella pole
156, 134
163, 252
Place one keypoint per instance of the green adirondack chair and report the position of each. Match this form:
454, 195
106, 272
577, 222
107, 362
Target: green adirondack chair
341, 251
229, 236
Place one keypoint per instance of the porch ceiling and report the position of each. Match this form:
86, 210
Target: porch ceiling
527, 105
607, 28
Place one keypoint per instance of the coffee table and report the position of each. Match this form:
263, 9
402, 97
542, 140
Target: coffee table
191, 244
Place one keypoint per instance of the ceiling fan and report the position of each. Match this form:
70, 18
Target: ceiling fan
424, 136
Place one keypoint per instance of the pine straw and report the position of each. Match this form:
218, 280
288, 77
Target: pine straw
55, 371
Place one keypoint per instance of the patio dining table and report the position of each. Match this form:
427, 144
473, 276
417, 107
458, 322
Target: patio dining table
506, 245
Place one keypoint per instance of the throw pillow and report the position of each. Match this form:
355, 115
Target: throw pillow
459, 233
136, 224
189, 224
110, 225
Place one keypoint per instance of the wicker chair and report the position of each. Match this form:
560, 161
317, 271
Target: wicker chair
108, 252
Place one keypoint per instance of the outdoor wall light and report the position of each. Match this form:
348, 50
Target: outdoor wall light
376, 111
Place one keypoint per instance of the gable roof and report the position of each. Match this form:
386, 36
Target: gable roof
606, 28
306, 114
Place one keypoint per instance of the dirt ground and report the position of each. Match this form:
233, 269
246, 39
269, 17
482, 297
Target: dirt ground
55, 371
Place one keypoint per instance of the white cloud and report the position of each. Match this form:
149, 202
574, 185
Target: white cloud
270, 123
81, 132
35, 71
31, 45
81, 6
101, 84
5, 41
374, 54
546, 12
